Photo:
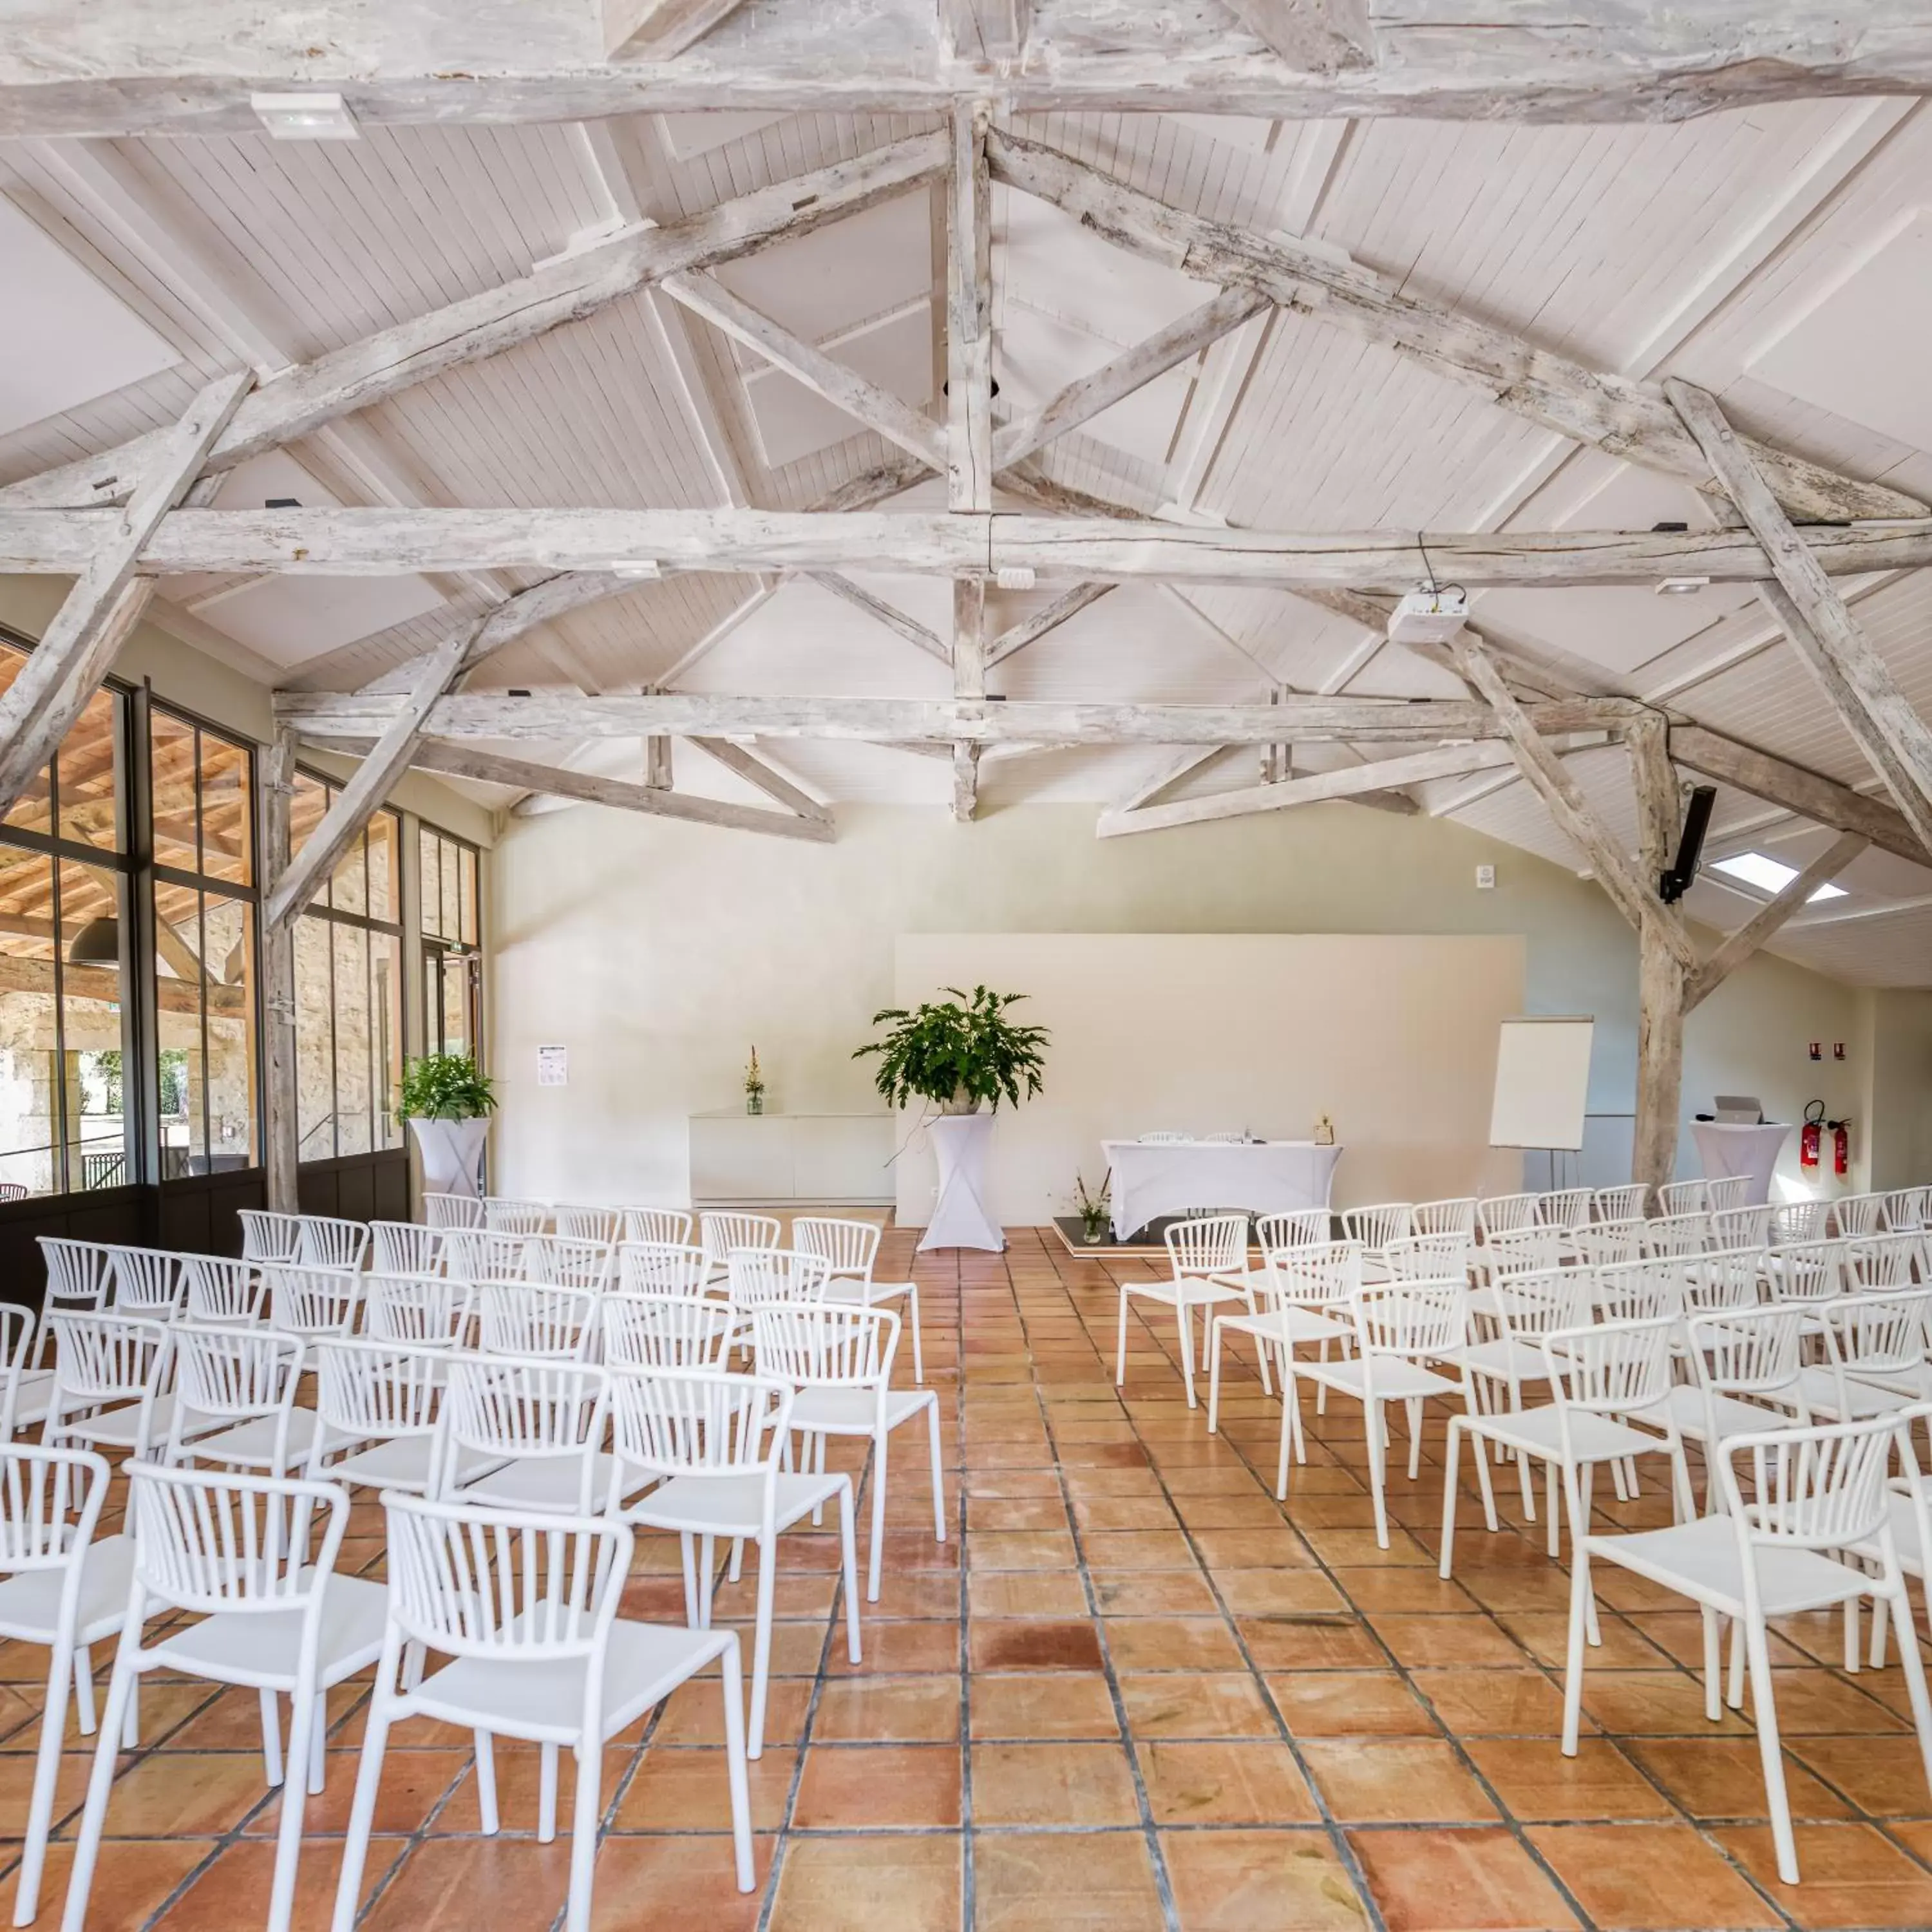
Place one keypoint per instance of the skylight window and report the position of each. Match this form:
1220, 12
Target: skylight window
1770, 876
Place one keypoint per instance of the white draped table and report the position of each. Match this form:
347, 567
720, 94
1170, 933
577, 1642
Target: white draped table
959, 1216
1152, 1178
1752, 1151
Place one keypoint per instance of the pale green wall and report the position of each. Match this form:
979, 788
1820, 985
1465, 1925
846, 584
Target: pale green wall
659, 951
1897, 1122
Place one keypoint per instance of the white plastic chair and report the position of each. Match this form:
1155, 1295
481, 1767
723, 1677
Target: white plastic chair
1300, 1296
536, 1319
1907, 1209
1428, 1257
377, 1407
568, 1261
1792, 1221
1606, 1243
1401, 1329
1740, 1227
526, 1608
1372, 1229
1745, 1362
326, 1242
62, 1589
1722, 1278
1299, 1227
1567, 1208
417, 1311
111, 1388
504, 1216
1676, 1234
235, 1401
660, 1267
1597, 1374
665, 1331
1456, 1216
719, 1233
1727, 1191
484, 1254
1858, 1215
604, 1225
147, 1283
267, 1236
225, 1293
1514, 1251
1807, 1271
1877, 1263
712, 1446
1875, 1357
667, 1227
254, 1557
539, 1426
23, 1390
452, 1210
1627, 1203
80, 1280
405, 1247
758, 1278
1770, 1551
1638, 1291
1504, 1213
1201, 1253
1684, 1197
849, 1249
311, 1302
839, 1360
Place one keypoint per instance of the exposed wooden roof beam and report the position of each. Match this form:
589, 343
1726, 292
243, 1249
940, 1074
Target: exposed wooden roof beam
656, 30
1751, 937
895, 619
1624, 417
550, 714
391, 542
365, 371
1312, 36
991, 33
114, 71
1048, 618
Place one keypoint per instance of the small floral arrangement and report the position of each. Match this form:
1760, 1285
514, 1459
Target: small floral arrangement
1095, 1210
755, 1085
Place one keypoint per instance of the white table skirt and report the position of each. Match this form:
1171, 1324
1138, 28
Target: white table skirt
1752, 1151
960, 1142
1152, 1178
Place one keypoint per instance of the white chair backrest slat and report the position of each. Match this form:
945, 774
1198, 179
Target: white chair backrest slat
1456, 1216
267, 1236
540, 1320
1207, 1244
327, 1242
452, 1210
417, 1311
660, 1267
669, 1227
1299, 1227
218, 1289
848, 1248
405, 1247
720, 1233
665, 1331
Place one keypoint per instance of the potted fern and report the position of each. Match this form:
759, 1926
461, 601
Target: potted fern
959, 1054
447, 1100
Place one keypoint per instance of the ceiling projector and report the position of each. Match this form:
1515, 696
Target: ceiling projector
1429, 616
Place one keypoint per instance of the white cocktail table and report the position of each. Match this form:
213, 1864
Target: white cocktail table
959, 1216
1152, 1178
1751, 1151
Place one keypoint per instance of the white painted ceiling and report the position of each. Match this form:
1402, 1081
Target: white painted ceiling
1781, 257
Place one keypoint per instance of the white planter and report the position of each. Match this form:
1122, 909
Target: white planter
452, 1154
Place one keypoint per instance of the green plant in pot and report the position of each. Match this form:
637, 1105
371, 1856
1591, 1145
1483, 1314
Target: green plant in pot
960, 1054
447, 1100
1095, 1210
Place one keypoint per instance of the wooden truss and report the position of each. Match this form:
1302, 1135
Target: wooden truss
118, 520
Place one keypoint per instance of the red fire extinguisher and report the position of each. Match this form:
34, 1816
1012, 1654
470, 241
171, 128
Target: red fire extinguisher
1841, 1148
1812, 1132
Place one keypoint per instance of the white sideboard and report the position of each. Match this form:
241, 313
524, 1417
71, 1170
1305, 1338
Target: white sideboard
840, 1158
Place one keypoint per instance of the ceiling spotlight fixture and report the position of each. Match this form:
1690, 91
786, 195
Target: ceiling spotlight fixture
1015, 577
305, 117
96, 943
646, 569
1682, 586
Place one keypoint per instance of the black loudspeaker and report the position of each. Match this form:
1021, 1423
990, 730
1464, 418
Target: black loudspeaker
1672, 885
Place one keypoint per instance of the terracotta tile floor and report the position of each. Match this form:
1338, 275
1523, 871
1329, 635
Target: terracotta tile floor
1148, 1696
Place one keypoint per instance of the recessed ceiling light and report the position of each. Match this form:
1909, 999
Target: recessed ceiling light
305, 117
643, 568
1769, 875
1682, 586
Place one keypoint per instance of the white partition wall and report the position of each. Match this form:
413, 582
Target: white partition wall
1393, 1037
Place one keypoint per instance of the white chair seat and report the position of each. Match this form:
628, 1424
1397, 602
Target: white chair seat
1199, 1290
404, 1463
1506, 1360
848, 1291
120, 1428
1702, 1559
1735, 1417
1904, 1536
544, 1701
251, 1444
1290, 1326
30, 1600
1863, 1400
1593, 1438
854, 1411
550, 1483
728, 1505
1395, 1380
250, 1647
33, 1394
